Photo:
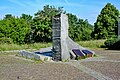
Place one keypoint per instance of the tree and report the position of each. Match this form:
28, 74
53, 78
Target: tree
79, 29
26, 17
8, 16
42, 23
107, 22
39, 28
72, 20
14, 28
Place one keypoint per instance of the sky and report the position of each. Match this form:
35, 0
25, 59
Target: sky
84, 9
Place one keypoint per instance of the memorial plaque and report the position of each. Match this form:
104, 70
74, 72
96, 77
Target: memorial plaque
79, 53
87, 53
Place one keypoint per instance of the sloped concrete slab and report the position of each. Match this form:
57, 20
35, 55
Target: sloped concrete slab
32, 55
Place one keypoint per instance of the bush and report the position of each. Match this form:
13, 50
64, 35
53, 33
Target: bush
113, 43
6, 40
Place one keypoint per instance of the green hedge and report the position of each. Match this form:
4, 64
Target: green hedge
5, 40
113, 43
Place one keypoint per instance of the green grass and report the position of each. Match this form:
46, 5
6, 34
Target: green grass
5, 47
93, 44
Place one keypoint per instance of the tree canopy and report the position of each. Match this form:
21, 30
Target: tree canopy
41, 25
79, 29
14, 28
107, 22
27, 29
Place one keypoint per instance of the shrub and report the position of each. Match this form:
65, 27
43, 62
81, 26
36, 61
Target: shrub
5, 40
113, 43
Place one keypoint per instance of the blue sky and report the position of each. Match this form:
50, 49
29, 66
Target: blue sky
85, 9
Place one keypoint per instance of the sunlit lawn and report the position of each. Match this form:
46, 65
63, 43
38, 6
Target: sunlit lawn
93, 44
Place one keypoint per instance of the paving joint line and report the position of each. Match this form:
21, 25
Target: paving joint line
91, 72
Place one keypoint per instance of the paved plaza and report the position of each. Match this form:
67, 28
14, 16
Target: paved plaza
106, 66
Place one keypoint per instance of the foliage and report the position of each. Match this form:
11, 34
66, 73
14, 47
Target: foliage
113, 43
42, 23
39, 28
4, 40
28, 29
14, 28
31, 47
107, 22
27, 18
79, 29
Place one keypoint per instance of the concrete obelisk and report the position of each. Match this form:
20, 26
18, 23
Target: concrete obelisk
62, 44
60, 33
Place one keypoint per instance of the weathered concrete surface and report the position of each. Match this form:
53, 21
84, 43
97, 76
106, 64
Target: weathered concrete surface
62, 43
32, 55
44, 49
65, 53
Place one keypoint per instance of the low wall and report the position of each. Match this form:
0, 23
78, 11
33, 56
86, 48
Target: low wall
32, 55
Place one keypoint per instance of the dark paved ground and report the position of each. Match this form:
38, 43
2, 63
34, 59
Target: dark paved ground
104, 67
14, 68
108, 63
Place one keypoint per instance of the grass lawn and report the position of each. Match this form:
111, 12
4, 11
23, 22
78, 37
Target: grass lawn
93, 44
5, 47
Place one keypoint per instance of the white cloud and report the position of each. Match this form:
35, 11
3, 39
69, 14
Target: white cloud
18, 3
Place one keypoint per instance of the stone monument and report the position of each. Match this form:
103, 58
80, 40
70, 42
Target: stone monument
60, 34
63, 47
119, 26
62, 44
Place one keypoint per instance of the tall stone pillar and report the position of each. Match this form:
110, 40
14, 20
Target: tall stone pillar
56, 38
119, 26
65, 55
60, 33
63, 45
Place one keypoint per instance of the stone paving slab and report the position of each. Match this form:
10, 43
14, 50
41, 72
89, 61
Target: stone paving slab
110, 69
45, 71
91, 72
104, 67
107, 64
13, 68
